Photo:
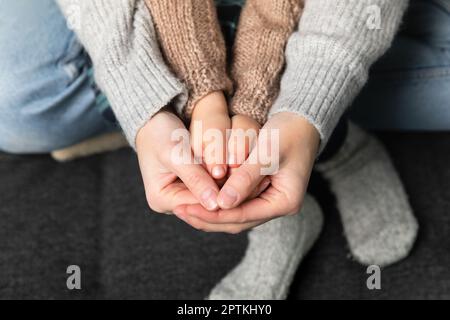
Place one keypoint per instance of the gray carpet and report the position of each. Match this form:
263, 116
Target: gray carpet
92, 213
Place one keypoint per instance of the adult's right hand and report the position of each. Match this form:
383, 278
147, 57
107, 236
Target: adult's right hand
170, 183
240, 210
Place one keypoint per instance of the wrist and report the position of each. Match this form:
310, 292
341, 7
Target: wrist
298, 132
155, 124
242, 121
212, 104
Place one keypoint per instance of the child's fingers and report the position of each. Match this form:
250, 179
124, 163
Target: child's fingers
214, 151
210, 122
218, 172
238, 148
215, 145
242, 139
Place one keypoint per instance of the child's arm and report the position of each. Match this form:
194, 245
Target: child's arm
259, 57
259, 54
193, 45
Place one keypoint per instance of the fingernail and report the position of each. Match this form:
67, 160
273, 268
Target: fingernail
218, 172
228, 197
209, 200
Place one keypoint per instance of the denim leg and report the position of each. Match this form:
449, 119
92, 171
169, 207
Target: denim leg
47, 100
409, 88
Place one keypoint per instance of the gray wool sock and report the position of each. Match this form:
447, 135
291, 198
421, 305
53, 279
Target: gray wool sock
273, 254
378, 221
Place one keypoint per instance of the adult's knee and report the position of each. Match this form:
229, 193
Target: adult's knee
25, 133
31, 122
429, 21
46, 98
41, 125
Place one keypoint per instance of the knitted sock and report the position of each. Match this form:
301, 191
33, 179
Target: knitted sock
378, 221
273, 254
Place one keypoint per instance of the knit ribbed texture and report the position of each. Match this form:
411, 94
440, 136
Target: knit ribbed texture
329, 57
378, 221
193, 45
259, 54
275, 250
129, 68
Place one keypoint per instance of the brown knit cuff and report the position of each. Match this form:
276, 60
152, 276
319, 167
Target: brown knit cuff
259, 54
193, 46
204, 81
253, 101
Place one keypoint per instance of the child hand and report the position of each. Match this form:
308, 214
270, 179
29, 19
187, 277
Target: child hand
243, 137
211, 112
244, 133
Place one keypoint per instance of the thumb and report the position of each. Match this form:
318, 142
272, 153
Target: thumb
200, 183
240, 185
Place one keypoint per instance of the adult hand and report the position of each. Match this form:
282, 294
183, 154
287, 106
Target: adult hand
298, 146
243, 138
169, 182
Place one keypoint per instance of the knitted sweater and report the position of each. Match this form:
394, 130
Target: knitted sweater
194, 47
327, 59
128, 65
192, 43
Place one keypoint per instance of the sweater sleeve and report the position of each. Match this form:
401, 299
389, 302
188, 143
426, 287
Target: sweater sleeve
329, 57
193, 45
128, 65
259, 54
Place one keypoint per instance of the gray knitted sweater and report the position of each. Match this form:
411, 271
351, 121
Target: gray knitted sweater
328, 57
128, 65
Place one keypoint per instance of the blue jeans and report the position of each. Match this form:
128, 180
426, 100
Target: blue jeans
47, 96
409, 87
48, 99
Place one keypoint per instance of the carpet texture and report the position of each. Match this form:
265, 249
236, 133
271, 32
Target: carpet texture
92, 213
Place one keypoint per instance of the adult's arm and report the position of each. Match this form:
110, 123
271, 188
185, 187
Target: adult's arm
329, 56
129, 68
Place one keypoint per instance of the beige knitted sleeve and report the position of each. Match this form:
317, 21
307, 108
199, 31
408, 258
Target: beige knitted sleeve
259, 54
193, 45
